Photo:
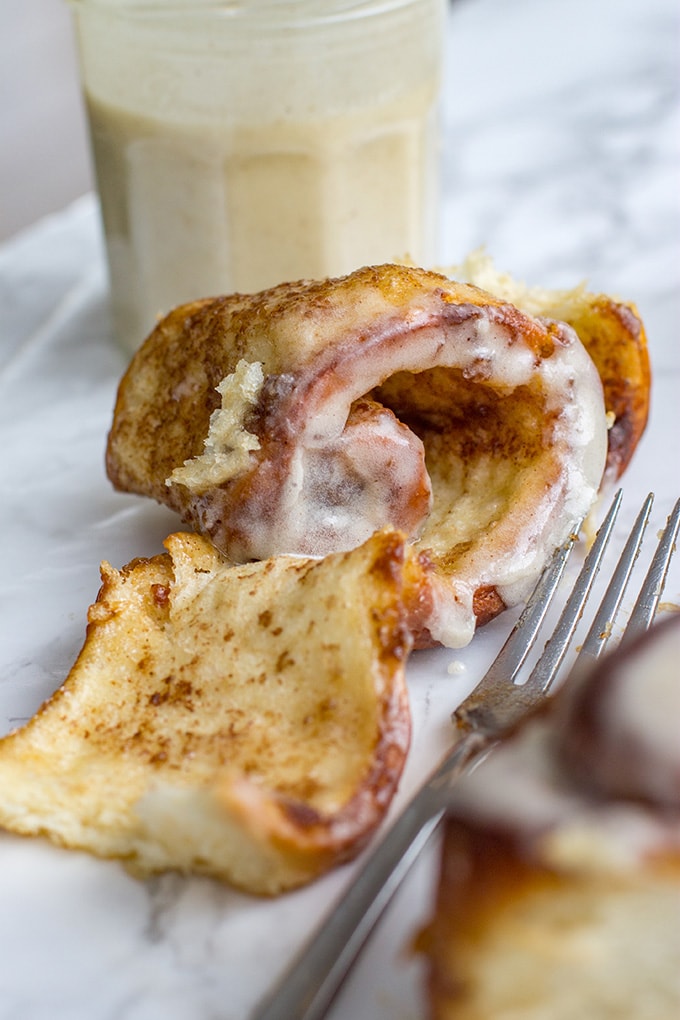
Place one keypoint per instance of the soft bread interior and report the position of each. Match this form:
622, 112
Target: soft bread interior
219, 720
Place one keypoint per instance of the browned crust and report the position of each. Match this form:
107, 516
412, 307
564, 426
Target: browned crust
614, 336
487, 604
166, 396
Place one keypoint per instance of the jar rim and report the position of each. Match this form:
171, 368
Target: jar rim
307, 10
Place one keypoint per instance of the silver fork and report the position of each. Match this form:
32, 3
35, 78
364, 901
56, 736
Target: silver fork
307, 989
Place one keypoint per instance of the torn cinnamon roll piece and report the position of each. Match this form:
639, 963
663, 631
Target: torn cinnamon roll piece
217, 721
304, 418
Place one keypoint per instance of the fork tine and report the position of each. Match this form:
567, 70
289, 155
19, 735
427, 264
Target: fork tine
601, 627
479, 708
521, 639
648, 600
545, 670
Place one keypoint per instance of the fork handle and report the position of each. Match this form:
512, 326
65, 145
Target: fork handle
307, 989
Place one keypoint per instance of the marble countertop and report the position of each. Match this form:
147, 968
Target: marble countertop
561, 157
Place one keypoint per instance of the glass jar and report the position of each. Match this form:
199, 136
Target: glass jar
239, 145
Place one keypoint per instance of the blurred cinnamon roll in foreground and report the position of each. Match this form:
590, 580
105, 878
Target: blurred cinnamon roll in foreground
559, 893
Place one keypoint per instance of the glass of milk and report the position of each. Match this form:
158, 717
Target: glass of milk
241, 144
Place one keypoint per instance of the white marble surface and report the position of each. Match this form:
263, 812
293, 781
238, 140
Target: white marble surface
561, 157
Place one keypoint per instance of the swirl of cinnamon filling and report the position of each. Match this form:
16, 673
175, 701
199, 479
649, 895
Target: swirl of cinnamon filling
304, 418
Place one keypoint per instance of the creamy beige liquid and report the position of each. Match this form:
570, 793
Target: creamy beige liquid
197, 210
